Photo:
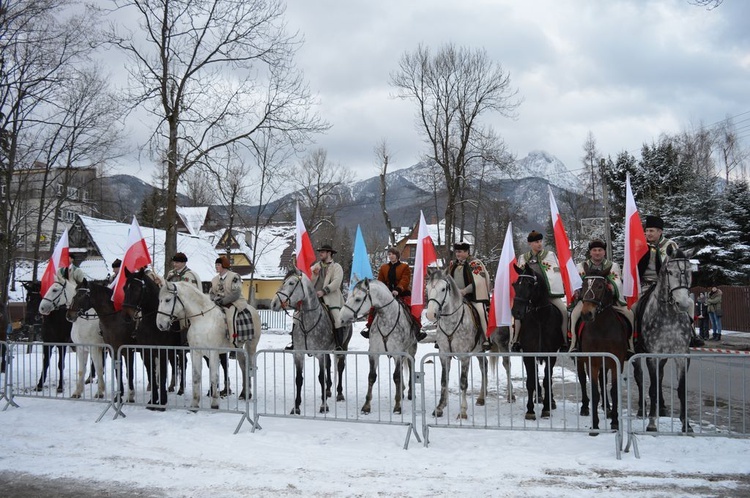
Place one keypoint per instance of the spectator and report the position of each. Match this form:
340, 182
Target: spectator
714, 312
701, 315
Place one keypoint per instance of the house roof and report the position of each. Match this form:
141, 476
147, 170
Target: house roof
434, 230
111, 238
273, 248
193, 218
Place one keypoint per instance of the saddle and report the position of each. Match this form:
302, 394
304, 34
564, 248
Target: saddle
477, 320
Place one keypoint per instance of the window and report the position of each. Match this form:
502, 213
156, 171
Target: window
59, 190
84, 196
70, 216
73, 193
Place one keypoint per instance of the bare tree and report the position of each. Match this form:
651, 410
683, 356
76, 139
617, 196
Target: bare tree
214, 73
198, 186
39, 43
731, 155
453, 89
319, 184
383, 156
590, 176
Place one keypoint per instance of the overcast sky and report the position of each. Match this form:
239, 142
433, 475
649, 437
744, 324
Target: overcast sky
626, 70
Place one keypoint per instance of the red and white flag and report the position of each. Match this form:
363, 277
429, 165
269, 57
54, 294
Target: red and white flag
136, 257
635, 247
303, 247
503, 294
426, 255
60, 259
570, 277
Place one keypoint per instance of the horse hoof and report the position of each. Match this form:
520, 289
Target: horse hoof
553, 405
324, 409
640, 413
180, 392
171, 389
437, 413
340, 397
366, 411
462, 416
155, 408
59, 390
99, 395
614, 426
651, 428
397, 409
545, 413
594, 434
480, 402
585, 412
214, 407
295, 411
687, 430
75, 396
243, 395
530, 416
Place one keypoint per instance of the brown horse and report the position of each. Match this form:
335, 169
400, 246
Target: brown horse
604, 331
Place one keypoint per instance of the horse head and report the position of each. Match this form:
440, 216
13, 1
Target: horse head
359, 302
139, 291
294, 290
529, 291
59, 294
675, 278
80, 303
443, 296
597, 293
170, 306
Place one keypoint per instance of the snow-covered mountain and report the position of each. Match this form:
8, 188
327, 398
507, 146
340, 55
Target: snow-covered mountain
541, 164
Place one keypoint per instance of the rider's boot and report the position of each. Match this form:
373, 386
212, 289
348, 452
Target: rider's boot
365, 333
289, 346
574, 344
696, 342
339, 335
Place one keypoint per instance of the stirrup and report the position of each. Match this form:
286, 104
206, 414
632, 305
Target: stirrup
289, 347
365, 333
421, 336
516, 347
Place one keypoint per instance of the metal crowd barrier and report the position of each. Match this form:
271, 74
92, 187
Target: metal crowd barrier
229, 381
275, 389
25, 362
499, 412
718, 397
274, 320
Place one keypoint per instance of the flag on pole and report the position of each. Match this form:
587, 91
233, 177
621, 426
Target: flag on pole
361, 267
425, 256
635, 247
503, 294
303, 247
60, 259
570, 277
136, 257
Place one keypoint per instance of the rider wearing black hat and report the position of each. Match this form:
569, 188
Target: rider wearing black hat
473, 281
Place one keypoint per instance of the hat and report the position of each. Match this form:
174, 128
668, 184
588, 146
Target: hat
654, 222
223, 261
597, 243
116, 263
326, 247
180, 257
534, 236
461, 246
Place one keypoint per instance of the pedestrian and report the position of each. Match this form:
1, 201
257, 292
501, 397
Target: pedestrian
544, 263
473, 281
713, 300
701, 315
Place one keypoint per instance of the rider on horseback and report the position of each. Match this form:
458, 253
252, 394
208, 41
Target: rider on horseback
473, 281
650, 265
181, 273
226, 292
396, 275
545, 264
327, 277
598, 261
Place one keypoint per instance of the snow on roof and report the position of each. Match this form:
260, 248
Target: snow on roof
111, 238
272, 241
434, 230
193, 218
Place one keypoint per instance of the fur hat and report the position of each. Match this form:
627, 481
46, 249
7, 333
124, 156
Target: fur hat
326, 247
654, 222
534, 236
461, 246
116, 263
180, 257
223, 261
597, 243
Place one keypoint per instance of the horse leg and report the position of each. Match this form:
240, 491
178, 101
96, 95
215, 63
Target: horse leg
653, 393
638, 376
61, 350
682, 394
162, 381
181, 369
483, 371
615, 397
398, 380
298, 378
227, 388
529, 364
340, 366
97, 359
596, 368
172, 357
214, 364
463, 381
663, 408
548, 403
324, 378
445, 362
131, 375
46, 352
371, 378
82, 354
506, 364
196, 358
581, 369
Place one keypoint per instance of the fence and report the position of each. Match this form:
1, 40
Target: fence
717, 391
735, 305
275, 320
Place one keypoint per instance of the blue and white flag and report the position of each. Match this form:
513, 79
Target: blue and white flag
361, 267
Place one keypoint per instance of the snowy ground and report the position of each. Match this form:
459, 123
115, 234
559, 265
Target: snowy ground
53, 447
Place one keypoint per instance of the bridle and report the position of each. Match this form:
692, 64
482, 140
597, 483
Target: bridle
55, 302
590, 295
368, 296
287, 297
440, 314
683, 280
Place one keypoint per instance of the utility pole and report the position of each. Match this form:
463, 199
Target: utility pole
605, 202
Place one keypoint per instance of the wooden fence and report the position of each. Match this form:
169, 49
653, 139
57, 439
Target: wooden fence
735, 307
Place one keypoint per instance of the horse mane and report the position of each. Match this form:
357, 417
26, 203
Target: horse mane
292, 271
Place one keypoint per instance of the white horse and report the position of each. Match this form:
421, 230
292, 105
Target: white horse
393, 331
457, 332
208, 329
85, 331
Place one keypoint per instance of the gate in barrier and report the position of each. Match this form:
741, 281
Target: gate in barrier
274, 320
499, 411
188, 379
274, 394
27, 377
717, 396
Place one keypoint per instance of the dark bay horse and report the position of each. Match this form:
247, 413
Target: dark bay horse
312, 331
55, 329
604, 331
666, 328
141, 305
116, 331
540, 333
